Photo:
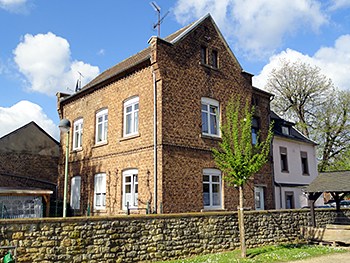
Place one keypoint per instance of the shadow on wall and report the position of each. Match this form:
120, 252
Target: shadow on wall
82, 169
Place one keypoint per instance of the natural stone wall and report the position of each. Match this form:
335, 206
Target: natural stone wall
150, 237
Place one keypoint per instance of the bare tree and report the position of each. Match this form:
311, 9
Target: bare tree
300, 90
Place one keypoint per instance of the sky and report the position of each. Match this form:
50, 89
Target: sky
46, 46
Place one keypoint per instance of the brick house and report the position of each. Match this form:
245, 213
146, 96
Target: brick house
179, 81
28, 167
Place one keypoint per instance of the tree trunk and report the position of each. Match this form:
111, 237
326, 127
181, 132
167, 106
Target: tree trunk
241, 222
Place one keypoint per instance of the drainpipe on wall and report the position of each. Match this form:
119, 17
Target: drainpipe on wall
272, 164
280, 194
155, 142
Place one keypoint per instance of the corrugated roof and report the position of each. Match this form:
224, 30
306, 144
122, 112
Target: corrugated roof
338, 181
24, 191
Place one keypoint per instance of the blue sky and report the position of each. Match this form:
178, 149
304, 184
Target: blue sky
44, 44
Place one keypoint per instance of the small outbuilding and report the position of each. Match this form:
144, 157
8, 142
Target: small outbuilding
336, 183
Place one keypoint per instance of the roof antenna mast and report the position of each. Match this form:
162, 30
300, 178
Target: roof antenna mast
78, 86
160, 20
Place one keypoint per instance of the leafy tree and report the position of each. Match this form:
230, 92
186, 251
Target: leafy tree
332, 131
239, 159
321, 111
300, 91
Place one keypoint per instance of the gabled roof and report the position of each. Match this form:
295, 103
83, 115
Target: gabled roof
145, 55
294, 133
133, 60
338, 181
30, 138
26, 126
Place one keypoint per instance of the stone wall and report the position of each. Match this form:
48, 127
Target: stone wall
152, 237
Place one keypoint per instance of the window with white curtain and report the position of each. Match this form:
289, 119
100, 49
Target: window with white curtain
100, 191
130, 188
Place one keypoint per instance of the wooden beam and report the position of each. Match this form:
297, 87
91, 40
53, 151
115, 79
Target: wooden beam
313, 197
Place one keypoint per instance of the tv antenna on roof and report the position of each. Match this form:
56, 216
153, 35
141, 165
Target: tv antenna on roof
78, 86
160, 20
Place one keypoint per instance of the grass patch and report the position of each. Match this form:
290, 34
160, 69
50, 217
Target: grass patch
277, 253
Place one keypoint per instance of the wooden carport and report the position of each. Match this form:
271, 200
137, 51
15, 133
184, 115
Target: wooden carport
336, 183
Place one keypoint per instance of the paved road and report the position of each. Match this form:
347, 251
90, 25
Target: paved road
333, 258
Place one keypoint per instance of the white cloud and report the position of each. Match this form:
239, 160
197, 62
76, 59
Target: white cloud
336, 4
101, 52
22, 113
45, 60
333, 61
256, 26
15, 6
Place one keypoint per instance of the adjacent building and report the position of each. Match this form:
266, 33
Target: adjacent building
143, 131
294, 165
28, 170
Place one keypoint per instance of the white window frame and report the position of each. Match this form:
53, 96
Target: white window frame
100, 191
78, 134
75, 192
259, 198
104, 125
211, 173
133, 183
210, 103
133, 114
285, 130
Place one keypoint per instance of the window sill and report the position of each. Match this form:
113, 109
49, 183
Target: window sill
306, 174
285, 171
129, 137
210, 137
99, 144
209, 66
76, 150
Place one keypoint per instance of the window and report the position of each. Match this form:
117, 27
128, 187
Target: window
214, 58
78, 134
210, 118
130, 188
304, 164
285, 130
100, 191
255, 130
211, 188
101, 126
75, 192
289, 200
284, 161
131, 116
203, 55
259, 198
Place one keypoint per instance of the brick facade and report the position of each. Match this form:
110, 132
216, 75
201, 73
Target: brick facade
173, 66
28, 159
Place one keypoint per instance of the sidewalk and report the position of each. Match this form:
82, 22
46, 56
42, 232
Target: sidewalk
333, 258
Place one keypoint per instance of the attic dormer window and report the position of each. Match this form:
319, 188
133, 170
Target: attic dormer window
285, 130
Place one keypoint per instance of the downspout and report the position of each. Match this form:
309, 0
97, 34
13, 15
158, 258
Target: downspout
280, 194
272, 161
155, 141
